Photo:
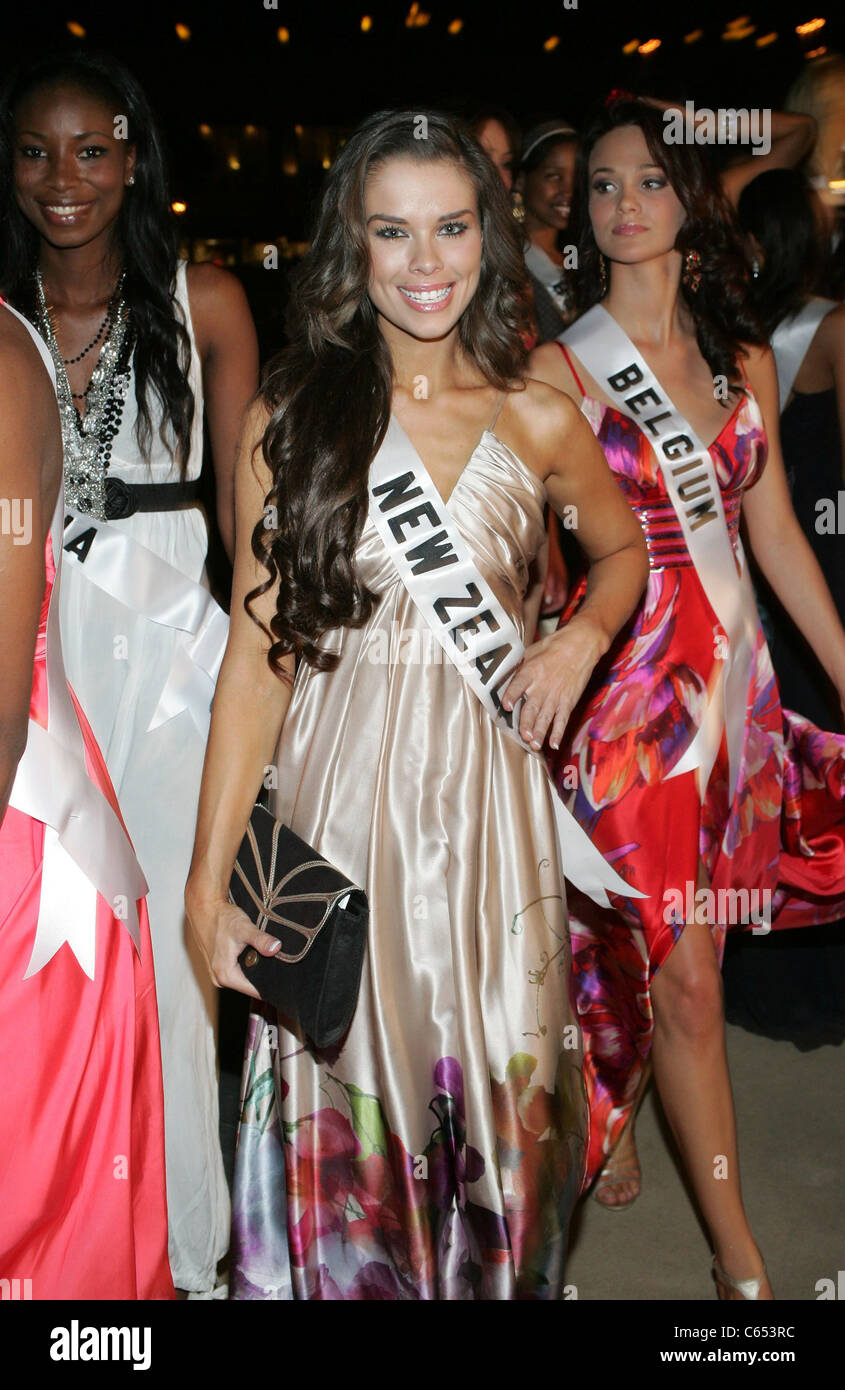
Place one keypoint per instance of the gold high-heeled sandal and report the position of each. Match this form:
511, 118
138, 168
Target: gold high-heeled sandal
749, 1288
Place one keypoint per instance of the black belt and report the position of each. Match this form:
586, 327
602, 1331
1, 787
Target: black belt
124, 499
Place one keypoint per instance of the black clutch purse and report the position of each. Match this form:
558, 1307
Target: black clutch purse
288, 890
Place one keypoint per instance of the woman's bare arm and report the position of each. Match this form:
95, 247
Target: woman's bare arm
228, 348
30, 474
250, 704
582, 489
792, 137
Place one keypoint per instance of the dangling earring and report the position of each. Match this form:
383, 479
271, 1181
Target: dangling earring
755, 269
602, 275
517, 205
131, 179
691, 275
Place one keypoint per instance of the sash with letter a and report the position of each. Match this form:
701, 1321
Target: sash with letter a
435, 565
140, 579
690, 477
86, 850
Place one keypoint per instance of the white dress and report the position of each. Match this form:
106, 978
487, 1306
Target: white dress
157, 776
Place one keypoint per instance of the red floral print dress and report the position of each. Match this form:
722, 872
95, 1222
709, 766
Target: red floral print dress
774, 853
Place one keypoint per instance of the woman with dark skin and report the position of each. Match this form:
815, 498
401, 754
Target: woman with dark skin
143, 345
544, 182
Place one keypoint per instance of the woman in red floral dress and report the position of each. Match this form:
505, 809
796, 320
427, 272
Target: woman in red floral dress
753, 833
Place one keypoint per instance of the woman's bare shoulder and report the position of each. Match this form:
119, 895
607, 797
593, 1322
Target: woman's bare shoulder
538, 419
549, 363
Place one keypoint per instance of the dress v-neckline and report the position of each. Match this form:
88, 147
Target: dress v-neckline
605, 405
445, 500
521, 465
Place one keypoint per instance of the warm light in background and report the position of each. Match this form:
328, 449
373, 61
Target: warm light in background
416, 18
631, 47
816, 52
366, 23
250, 130
183, 32
649, 46
693, 36
283, 35
298, 129
76, 29
179, 208
234, 162
765, 39
551, 43
810, 27
205, 130
290, 166
456, 26
327, 164
738, 29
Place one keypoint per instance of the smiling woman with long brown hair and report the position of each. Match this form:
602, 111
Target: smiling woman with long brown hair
437, 1150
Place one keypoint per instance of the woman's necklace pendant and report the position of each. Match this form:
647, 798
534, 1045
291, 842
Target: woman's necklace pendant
87, 440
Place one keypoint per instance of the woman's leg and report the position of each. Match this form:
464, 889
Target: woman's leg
618, 1183
691, 1071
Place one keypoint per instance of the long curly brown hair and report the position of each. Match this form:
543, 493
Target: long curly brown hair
330, 390
721, 307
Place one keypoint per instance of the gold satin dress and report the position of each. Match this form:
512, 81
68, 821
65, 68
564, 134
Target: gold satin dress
438, 1151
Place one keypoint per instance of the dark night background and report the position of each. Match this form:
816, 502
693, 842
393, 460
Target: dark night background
233, 94
234, 73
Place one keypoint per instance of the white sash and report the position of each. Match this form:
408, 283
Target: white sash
86, 849
436, 566
149, 586
690, 477
792, 338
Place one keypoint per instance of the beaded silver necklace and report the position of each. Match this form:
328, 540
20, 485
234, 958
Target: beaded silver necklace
87, 441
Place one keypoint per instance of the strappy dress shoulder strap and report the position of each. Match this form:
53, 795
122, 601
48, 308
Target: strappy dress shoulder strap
496, 413
571, 366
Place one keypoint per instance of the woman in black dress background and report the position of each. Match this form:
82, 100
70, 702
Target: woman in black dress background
793, 986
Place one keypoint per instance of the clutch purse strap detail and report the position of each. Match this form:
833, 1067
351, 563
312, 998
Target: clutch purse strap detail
272, 895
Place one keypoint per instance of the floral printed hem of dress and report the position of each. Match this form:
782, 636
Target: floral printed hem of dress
368, 1220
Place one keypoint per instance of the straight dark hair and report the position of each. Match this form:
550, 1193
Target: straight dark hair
330, 390
145, 231
778, 210
720, 308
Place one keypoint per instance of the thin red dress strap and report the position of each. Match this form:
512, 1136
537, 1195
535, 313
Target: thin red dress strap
571, 367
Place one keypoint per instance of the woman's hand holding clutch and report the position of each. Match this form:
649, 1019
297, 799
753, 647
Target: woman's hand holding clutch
222, 931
